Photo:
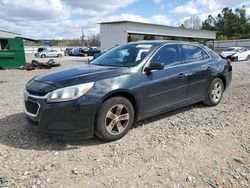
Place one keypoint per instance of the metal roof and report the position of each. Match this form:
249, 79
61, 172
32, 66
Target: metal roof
153, 24
9, 32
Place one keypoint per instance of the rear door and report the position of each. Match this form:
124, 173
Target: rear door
165, 88
199, 71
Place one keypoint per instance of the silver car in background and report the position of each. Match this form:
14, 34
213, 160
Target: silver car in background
49, 53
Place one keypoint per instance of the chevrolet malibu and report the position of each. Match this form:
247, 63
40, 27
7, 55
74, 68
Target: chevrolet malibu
126, 84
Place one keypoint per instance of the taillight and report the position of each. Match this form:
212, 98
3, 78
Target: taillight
229, 62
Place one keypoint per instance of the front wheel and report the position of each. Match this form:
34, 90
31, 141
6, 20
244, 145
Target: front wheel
43, 56
59, 55
215, 93
114, 119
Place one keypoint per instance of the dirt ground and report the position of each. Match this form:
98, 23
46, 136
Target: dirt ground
196, 146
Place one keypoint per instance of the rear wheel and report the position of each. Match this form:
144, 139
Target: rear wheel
114, 119
215, 93
248, 58
59, 55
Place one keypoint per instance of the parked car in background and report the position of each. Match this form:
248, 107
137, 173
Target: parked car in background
125, 84
92, 51
67, 51
96, 55
75, 52
236, 53
41, 49
83, 51
49, 53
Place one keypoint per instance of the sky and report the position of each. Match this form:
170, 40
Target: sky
64, 19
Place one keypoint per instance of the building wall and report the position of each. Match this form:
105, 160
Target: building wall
112, 35
222, 44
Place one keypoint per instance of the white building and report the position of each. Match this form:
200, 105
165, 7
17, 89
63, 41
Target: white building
7, 34
121, 32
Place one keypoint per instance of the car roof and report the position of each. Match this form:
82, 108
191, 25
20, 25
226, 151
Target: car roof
162, 42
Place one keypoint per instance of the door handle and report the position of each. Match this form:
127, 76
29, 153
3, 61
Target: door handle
181, 75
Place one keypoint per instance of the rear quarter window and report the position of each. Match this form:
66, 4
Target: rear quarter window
212, 53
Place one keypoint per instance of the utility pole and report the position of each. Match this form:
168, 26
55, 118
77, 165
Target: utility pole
82, 37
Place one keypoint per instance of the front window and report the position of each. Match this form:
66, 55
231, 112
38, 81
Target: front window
168, 55
124, 56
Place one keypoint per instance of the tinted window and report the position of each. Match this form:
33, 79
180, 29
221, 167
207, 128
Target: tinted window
243, 49
168, 55
192, 53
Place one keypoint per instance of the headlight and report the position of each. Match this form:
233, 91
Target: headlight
69, 93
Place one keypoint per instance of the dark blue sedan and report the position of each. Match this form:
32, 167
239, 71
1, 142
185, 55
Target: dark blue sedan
126, 84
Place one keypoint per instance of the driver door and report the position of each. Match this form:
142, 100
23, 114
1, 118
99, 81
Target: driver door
164, 89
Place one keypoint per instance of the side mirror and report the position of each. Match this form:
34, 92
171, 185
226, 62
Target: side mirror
154, 66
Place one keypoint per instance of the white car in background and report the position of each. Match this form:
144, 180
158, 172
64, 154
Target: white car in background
236, 53
50, 53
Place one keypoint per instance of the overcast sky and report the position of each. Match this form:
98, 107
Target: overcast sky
58, 19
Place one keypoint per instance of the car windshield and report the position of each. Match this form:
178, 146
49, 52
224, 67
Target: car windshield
232, 49
124, 56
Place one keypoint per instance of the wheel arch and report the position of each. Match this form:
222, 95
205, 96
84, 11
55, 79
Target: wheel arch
126, 94
223, 79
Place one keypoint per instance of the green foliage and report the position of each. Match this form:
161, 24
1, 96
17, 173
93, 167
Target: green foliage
230, 24
222, 37
91, 40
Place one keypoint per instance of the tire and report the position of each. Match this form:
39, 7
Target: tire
43, 56
248, 58
109, 126
236, 59
215, 93
59, 55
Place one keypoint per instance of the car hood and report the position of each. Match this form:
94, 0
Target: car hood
80, 74
224, 53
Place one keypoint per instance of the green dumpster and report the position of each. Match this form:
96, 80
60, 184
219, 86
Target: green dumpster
11, 52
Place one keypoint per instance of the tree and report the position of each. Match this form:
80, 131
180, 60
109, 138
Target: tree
194, 22
231, 24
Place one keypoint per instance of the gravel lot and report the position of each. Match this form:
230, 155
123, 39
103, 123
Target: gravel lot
196, 146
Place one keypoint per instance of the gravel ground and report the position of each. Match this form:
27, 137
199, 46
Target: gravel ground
195, 146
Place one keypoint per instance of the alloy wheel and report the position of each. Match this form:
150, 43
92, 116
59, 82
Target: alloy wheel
216, 92
117, 119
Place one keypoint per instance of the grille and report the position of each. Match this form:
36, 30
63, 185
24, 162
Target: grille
36, 93
31, 107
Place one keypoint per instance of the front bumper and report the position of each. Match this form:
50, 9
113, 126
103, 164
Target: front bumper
72, 118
